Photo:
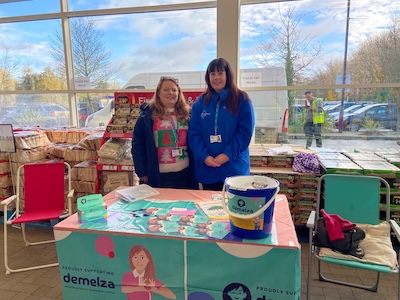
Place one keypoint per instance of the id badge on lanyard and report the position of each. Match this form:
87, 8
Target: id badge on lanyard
216, 138
176, 152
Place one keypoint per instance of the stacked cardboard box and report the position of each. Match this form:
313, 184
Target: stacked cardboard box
299, 188
5, 177
30, 147
83, 177
338, 163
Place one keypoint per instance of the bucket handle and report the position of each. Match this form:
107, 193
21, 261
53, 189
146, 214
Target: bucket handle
250, 216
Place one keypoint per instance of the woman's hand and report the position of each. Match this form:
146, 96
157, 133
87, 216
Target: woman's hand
221, 159
210, 161
144, 179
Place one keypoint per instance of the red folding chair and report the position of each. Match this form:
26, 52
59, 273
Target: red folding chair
43, 192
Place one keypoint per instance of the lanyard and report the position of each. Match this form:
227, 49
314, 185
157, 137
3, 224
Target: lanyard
174, 128
216, 118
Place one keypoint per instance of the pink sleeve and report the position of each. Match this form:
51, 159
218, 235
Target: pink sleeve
158, 283
128, 280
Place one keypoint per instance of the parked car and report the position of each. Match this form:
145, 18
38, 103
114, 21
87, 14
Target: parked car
297, 110
348, 110
384, 113
336, 107
4, 111
41, 114
101, 117
91, 107
82, 116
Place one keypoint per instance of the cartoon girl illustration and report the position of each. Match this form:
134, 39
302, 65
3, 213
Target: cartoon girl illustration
141, 282
256, 223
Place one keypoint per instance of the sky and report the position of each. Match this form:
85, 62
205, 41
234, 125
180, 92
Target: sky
186, 40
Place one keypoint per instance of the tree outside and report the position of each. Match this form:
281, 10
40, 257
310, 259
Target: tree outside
91, 59
285, 45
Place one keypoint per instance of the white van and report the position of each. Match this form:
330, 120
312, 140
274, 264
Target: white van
269, 106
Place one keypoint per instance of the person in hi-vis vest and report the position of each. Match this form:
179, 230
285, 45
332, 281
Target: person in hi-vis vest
315, 117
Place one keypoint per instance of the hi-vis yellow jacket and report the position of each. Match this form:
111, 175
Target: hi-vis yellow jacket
318, 117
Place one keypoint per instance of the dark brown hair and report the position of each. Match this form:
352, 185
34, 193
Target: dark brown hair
234, 93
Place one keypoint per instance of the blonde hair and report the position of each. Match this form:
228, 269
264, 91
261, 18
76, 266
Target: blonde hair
182, 109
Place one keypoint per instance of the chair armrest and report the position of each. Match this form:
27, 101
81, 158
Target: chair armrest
396, 228
311, 219
8, 200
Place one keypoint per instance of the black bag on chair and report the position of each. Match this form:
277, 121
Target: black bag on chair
350, 244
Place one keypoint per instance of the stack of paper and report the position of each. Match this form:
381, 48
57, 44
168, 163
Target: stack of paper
137, 192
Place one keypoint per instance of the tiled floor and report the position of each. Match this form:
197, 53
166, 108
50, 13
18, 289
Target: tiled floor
45, 284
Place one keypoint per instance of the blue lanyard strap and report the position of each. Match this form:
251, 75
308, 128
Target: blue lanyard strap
174, 128
216, 118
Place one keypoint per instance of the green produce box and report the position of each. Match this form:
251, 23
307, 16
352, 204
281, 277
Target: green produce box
382, 169
364, 157
340, 167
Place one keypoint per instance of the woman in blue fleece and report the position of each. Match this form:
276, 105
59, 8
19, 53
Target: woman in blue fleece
220, 128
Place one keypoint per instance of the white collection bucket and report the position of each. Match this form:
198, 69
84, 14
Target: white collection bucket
250, 204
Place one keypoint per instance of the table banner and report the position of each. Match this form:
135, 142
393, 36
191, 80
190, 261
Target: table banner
241, 271
111, 267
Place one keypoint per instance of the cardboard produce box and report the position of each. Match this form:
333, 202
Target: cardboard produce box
111, 180
394, 159
340, 167
332, 156
363, 157
382, 169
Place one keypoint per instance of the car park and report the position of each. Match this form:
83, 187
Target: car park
82, 116
383, 113
297, 110
348, 110
4, 111
336, 107
38, 114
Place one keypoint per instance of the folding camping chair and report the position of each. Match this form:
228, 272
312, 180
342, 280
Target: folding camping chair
43, 194
355, 198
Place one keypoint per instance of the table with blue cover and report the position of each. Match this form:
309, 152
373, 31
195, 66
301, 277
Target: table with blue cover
166, 248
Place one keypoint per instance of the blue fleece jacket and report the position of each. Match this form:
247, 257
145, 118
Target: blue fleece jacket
235, 130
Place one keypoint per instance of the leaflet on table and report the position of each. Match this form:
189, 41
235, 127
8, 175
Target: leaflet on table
213, 209
166, 218
137, 192
91, 208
